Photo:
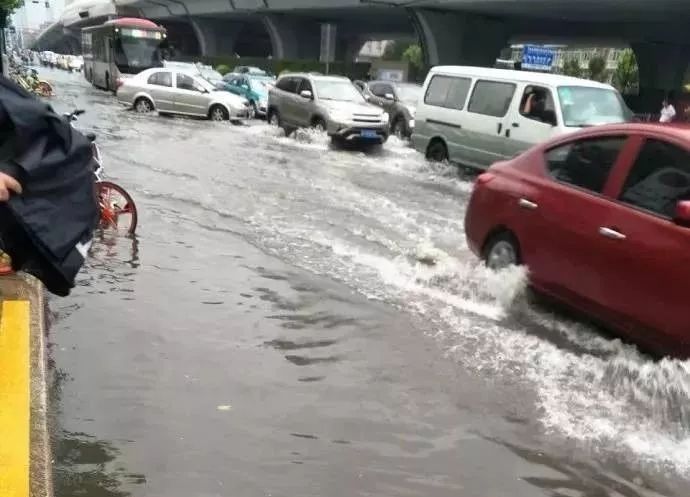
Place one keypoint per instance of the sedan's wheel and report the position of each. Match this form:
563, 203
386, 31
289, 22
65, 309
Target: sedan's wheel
501, 252
143, 105
218, 113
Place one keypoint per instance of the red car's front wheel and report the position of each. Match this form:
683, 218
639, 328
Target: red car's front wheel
117, 208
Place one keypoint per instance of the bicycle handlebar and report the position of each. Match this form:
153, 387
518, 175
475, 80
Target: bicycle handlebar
73, 115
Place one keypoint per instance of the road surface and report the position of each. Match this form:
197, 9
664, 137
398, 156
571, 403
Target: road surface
271, 331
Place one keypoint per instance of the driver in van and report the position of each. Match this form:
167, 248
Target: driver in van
534, 105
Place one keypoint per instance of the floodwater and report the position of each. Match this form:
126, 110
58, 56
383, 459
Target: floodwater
271, 331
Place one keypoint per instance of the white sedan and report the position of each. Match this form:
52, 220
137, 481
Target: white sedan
171, 90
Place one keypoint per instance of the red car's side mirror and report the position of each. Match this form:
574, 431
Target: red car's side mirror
682, 213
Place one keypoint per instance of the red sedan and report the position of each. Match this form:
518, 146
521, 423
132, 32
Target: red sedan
601, 218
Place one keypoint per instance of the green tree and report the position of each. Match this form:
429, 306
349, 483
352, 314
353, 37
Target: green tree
395, 50
413, 55
626, 77
571, 67
597, 68
9, 6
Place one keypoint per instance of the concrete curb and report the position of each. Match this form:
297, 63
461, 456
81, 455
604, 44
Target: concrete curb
24, 287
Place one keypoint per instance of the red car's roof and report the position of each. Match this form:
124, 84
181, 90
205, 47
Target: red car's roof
134, 22
678, 131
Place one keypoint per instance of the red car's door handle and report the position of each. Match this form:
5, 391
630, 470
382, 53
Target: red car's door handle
611, 233
527, 204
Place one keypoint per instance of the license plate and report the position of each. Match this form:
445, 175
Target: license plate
368, 133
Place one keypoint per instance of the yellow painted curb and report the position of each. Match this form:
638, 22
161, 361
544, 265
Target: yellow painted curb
15, 398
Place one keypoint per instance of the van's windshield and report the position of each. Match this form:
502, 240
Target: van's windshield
587, 106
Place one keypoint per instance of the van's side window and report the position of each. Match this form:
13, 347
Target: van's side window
491, 98
446, 91
537, 104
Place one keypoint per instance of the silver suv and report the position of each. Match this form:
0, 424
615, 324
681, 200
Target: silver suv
329, 103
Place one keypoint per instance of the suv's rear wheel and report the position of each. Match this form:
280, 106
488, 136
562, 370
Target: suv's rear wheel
398, 128
318, 124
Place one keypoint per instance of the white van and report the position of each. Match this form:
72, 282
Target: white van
476, 116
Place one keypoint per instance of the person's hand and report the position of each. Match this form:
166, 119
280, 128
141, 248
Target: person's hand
7, 185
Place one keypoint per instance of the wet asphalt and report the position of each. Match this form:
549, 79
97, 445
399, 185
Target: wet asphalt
271, 331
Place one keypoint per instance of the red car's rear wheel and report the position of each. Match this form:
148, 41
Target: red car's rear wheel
501, 251
117, 208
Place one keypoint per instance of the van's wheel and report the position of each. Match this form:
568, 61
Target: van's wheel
437, 151
318, 124
143, 105
501, 251
218, 113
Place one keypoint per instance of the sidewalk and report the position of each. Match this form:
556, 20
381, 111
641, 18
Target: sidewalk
25, 459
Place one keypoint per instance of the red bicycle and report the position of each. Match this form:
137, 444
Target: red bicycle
117, 209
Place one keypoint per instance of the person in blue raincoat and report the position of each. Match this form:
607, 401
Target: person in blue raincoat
48, 207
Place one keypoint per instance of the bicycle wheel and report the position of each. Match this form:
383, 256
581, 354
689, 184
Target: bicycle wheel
118, 211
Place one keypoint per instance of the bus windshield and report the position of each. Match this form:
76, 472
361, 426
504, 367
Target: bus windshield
134, 53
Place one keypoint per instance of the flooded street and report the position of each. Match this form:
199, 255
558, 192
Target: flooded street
271, 331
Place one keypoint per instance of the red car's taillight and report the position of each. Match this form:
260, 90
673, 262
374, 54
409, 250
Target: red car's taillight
484, 178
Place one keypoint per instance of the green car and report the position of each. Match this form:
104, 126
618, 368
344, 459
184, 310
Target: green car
254, 87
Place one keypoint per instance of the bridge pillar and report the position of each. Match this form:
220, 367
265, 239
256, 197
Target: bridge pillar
293, 38
662, 68
347, 48
216, 37
458, 38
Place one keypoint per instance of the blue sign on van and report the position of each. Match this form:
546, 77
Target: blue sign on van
536, 58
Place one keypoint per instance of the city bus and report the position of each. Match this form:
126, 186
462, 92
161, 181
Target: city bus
121, 47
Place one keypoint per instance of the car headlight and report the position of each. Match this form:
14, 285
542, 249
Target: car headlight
385, 117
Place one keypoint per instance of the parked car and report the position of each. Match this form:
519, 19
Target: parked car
399, 100
601, 219
175, 91
253, 87
205, 71
476, 116
76, 63
64, 61
250, 70
329, 103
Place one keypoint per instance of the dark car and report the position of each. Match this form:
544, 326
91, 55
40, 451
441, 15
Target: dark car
601, 219
399, 100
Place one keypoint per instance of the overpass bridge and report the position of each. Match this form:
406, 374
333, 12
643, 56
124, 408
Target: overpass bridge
450, 31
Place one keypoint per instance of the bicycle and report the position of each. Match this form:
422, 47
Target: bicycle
29, 80
116, 207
